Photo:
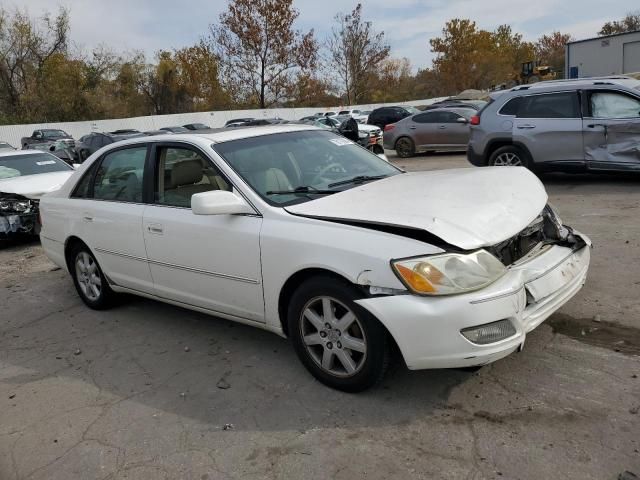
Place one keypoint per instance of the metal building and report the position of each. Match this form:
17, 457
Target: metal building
609, 55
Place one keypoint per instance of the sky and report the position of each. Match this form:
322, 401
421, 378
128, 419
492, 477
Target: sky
151, 25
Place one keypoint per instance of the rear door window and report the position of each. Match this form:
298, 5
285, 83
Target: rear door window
550, 105
119, 177
430, 117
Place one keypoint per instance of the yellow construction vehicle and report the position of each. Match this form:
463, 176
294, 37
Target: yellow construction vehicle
533, 72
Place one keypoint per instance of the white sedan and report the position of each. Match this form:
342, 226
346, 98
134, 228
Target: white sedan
306, 234
25, 176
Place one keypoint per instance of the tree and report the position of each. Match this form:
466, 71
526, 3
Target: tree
355, 51
259, 50
25, 48
550, 49
198, 70
393, 81
630, 23
469, 57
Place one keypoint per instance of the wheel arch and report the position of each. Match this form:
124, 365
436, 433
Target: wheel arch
404, 135
289, 287
69, 245
497, 143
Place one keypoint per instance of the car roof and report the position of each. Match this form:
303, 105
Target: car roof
23, 153
221, 135
620, 81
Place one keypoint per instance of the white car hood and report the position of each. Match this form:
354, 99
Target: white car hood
468, 208
367, 128
34, 186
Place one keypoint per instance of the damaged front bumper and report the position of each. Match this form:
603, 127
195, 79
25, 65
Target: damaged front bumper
429, 330
18, 215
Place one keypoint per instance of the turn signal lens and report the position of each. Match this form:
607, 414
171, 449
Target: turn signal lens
415, 280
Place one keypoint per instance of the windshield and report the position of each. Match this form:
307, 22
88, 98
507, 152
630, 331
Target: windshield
307, 160
55, 134
23, 165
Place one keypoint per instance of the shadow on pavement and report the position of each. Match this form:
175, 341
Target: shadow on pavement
192, 365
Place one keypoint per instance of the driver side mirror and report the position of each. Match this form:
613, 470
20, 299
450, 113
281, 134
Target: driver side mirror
462, 120
219, 202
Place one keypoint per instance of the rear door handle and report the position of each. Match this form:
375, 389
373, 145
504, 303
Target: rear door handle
526, 126
155, 228
442, 127
412, 128
87, 217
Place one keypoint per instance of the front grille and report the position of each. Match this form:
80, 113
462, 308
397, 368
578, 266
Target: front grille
545, 229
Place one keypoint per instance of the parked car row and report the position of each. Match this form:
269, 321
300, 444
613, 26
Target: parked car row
569, 125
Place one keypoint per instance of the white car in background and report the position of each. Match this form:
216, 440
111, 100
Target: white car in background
301, 232
356, 114
25, 176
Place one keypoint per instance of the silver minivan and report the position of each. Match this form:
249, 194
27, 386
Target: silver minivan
585, 124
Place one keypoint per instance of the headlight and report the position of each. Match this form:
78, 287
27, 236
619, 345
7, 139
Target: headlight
449, 273
21, 206
363, 135
18, 206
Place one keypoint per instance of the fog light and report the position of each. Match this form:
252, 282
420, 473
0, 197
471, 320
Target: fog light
489, 332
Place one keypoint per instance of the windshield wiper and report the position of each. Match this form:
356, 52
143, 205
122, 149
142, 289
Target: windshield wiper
304, 190
357, 179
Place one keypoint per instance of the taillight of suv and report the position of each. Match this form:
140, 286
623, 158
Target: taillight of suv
475, 120
391, 126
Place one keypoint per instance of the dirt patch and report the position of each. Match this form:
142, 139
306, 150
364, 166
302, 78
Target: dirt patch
19, 257
599, 333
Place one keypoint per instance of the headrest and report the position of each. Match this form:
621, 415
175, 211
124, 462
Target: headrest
186, 173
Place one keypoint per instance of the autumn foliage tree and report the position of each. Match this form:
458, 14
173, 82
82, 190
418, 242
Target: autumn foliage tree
260, 51
550, 49
630, 23
355, 50
469, 57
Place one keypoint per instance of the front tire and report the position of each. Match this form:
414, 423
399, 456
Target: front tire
509, 156
89, 280
405, 148
339, 342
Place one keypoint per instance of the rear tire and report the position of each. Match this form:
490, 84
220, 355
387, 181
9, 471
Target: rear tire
405, 148
340, 343
90, 282
509, 156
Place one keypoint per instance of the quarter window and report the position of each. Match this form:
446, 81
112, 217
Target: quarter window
551, 105
119, 177
614, 105
183, 172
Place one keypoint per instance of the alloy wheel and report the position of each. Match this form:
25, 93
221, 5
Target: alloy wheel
508, 159
88, 276
333, 336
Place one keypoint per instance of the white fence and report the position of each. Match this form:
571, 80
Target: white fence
13, 133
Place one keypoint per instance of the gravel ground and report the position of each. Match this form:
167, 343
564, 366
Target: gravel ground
151, 391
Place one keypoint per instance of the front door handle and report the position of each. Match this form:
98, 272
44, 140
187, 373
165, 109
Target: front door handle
526, 126
155, 228
87, 217
442, 127
412, 128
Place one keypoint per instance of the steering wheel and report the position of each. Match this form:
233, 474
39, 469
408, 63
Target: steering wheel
319, 175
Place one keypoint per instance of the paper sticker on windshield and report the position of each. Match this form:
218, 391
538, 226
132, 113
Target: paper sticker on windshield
341, 141
46, 162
